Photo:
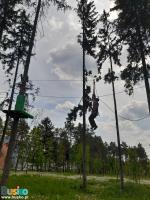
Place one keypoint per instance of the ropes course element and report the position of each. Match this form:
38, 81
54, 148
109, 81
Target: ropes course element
125, 118
101, 96
58, 97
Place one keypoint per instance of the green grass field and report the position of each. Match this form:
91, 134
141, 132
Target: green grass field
52, 188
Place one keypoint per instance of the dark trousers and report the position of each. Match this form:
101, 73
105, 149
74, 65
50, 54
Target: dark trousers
92, 120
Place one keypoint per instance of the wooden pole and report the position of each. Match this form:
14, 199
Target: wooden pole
84, 110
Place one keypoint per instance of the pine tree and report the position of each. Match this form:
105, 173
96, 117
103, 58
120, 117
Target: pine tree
81, 11
22, 142
110, 48
87, 12
15, 47
47, 138
15, 41
8, 12
133, 26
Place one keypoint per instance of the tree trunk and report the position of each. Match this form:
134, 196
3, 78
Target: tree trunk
84, 178
138, 30
27, 168
32, 166
45, 166
145, 71
117, 129
10, 103
10, 150
32, 162
27, 64
16, 167
22, 166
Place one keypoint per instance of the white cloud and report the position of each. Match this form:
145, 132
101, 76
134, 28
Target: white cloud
134, 110
55, 24
67, 61
67, 105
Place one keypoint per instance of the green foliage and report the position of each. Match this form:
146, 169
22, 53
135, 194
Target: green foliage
88, 15
133, 26
109, 46
15, 39
22, 143
46, 148
136, 165
78, 110
36, 153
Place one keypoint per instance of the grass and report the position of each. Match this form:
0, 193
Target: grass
52, 188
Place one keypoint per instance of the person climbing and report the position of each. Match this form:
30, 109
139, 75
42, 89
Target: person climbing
95, 106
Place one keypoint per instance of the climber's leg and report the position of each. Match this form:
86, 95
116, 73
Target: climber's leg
95, 126
92, 121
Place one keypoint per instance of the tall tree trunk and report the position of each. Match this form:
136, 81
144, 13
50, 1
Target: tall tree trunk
10, 104
10, 150
45, 166
32, 166
16, 167
27, 64
22, 165
138, 30
117, 128
84, 115
145, 70
27, 167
